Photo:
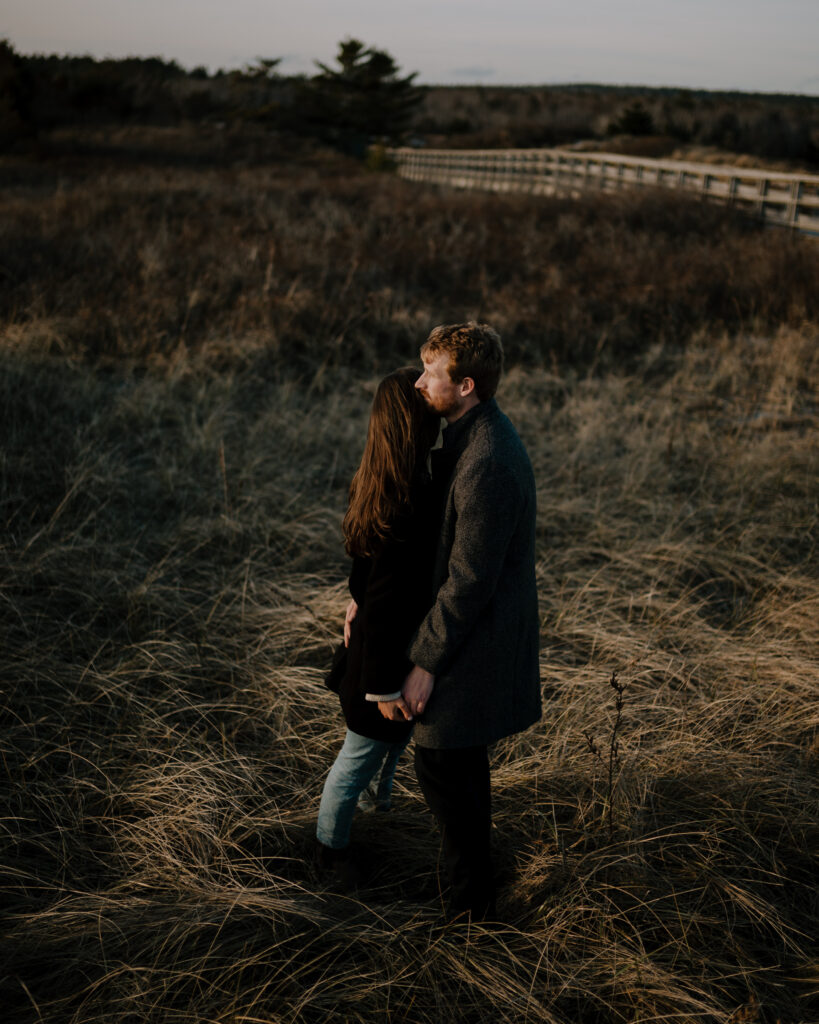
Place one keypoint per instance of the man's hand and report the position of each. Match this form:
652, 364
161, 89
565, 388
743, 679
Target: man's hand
417, 689
352, 611
395, 710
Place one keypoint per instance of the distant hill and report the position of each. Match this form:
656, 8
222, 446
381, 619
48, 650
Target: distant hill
640, 120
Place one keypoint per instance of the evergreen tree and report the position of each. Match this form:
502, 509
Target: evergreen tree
634, 120
15, 89
363, 99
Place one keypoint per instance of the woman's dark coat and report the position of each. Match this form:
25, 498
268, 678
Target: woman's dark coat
393, 591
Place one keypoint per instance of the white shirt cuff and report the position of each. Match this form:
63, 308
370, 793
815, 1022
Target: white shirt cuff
382, 696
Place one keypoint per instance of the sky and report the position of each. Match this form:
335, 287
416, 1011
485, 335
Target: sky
749, 45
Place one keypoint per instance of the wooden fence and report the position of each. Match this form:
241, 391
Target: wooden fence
790, 200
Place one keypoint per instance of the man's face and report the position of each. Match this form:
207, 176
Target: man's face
439, 391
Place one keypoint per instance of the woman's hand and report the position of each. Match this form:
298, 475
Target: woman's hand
352, 611
418, 689
395, 710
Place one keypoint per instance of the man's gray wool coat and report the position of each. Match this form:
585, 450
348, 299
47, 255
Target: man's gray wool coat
481, 637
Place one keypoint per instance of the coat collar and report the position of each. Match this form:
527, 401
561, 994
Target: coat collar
456, 435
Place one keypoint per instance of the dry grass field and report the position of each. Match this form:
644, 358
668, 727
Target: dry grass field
187, 355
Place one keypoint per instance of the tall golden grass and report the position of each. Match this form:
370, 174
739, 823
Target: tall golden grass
187, 362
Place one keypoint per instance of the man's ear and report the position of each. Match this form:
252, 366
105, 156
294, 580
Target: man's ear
467, 386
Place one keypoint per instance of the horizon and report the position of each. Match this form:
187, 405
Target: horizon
741, 47
188, 68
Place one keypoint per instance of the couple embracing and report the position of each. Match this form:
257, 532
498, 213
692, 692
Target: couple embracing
441, 633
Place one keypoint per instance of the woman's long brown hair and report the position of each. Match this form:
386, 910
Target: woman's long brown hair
401, 431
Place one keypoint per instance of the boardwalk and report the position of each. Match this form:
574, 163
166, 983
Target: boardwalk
790, 200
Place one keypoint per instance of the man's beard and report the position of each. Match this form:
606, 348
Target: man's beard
442, 406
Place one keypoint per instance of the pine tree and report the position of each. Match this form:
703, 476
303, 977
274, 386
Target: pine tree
362, 100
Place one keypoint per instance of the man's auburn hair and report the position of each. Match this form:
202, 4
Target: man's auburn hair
474, 351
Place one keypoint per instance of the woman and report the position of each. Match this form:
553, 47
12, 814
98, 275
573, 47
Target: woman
390, 530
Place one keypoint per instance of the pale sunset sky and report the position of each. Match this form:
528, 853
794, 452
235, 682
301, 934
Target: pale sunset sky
750, 45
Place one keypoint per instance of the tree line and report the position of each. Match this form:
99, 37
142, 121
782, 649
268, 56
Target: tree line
363, 96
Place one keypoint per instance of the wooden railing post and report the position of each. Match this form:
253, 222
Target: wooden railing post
577, 174
548, 171
763, 191
793, 207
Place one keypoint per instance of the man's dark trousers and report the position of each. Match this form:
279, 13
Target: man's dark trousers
455, 784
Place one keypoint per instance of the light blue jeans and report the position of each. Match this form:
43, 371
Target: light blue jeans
362, 773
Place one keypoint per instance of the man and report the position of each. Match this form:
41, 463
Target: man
475, 677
